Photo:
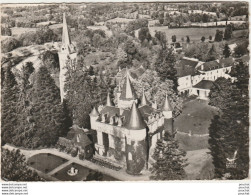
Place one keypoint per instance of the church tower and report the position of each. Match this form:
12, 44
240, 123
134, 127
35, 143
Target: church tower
167, 111
136, 150
66, 54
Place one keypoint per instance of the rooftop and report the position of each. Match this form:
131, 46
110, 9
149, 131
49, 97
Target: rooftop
204, 84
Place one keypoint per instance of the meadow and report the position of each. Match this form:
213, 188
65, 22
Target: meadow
194, 34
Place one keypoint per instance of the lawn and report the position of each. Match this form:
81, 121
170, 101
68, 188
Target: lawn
83, 172
195, 34
199, 165
195, 117
45, 162
190, 143
16, 31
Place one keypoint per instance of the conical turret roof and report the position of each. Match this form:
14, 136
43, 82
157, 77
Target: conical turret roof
94, 112
143, 100
65, 38
109, 101
135, 120
128, 92
167, 105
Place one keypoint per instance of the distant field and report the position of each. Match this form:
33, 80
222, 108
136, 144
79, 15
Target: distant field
195, 34
120, 20
16, 31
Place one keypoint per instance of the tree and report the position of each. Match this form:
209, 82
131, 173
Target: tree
14, 167
82, 93
161, 37
188, 39
203, 39
212, 54
210, 38
47, 115
144, 34
9, 44
164, 66
241, 49
50, 60
218, 36
169, 160
9, 98
174, 38
229, 132
226, 51
228, 32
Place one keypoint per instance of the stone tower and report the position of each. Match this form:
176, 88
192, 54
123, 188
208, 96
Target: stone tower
66, 54
136, 146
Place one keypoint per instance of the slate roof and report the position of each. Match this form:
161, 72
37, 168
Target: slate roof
204, 84
135, 120
186, 67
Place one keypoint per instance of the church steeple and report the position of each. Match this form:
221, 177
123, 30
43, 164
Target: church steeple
135, 121
65, 38
109, 101
167, 106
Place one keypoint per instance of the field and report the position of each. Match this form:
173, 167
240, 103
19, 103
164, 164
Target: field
45, 162
195, 34
16, 31
120, 20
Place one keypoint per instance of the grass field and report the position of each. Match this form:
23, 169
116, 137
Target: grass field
195, 117
195, 34
199, 165
82, 174
45, 162
190, 143
16, 31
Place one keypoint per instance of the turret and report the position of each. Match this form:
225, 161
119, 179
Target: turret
143, 100
109, 101
136, 146
94, 116
128, 95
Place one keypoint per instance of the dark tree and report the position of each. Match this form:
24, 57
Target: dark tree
164, 66
14, 167
174, 38
188, 39
169, 160
226, 51
218, 36
203, 39
229, 135
241, 49
47, 116
210, 38
228, 32
212, 54
9, 98
144, 34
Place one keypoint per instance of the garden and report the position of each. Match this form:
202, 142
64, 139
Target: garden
45, 162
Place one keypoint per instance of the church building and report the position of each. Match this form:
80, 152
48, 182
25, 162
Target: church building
128, 132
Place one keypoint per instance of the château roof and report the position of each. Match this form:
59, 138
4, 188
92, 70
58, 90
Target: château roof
143, 100
128, 92
135, 121
167, 105
94, 112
